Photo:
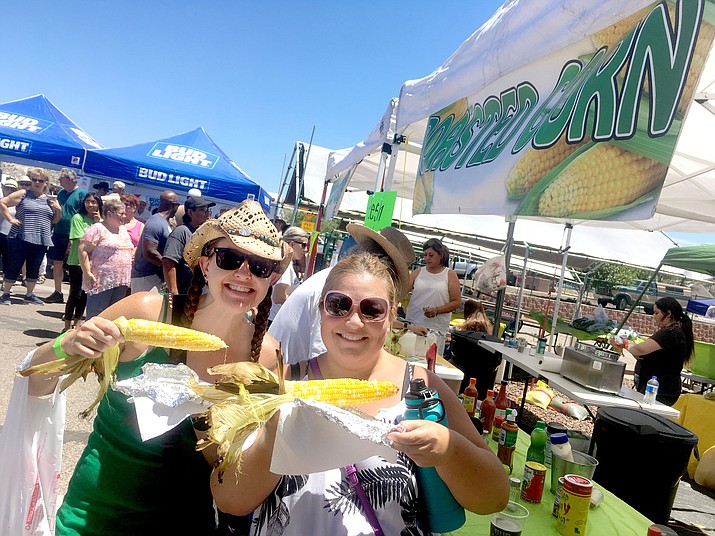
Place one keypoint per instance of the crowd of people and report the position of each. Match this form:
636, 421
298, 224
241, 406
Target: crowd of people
242, 277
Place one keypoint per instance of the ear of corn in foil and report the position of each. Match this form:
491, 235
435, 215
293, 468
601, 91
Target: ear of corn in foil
133, 330
248, 395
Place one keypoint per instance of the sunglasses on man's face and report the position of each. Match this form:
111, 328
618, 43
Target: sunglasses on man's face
230, 259
340, 305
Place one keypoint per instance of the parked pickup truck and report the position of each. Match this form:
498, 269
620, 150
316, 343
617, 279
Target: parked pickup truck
623, 297
463, 267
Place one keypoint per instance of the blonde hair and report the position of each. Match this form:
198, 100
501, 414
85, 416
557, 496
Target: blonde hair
475, 318
360, 264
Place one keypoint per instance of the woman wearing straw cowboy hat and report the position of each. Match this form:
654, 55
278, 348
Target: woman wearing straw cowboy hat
122, 485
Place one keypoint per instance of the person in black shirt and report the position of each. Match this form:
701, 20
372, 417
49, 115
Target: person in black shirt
666, 352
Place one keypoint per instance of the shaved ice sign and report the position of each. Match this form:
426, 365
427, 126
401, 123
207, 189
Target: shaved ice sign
584, 133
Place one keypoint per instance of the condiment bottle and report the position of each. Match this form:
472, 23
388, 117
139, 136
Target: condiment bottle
488, 408
507, 440
537, 448
470, 397
501, 404
552, 428
560, 445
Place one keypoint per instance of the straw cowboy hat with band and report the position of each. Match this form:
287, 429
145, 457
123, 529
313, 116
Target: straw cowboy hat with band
248, 228
396, 245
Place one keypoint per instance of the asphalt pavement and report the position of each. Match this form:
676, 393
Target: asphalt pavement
24, 327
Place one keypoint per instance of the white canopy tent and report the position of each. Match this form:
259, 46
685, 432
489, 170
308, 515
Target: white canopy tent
496, 51
688, 195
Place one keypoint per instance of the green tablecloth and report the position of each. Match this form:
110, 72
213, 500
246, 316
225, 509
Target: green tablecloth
613, 516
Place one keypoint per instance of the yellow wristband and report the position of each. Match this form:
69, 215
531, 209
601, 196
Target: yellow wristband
56, 346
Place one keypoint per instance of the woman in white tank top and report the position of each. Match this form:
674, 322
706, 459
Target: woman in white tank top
435, 289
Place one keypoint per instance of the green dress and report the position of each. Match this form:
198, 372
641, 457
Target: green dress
123, 486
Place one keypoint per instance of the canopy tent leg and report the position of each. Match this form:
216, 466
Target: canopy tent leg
569, 230
314, 243
517, 316
507, 258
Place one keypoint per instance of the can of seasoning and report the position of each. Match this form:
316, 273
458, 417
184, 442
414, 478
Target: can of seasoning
533, 486
573, 505
557, 497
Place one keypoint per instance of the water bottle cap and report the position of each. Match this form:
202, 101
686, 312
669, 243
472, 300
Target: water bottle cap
654, 377
559, 439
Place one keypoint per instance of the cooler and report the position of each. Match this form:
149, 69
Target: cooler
641, 457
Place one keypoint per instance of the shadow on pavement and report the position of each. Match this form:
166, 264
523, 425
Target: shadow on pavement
52, 314
45, 334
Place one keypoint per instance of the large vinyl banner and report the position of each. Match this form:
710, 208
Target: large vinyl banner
587, 132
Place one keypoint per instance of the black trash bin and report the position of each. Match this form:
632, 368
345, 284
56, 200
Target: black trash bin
641, 458
475, 361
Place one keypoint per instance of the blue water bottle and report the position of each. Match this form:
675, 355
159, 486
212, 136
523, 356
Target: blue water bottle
443, 512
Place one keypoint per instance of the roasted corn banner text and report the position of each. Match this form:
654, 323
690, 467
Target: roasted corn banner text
586, 132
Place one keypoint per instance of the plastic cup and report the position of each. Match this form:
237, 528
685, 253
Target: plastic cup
582, 464
510, 521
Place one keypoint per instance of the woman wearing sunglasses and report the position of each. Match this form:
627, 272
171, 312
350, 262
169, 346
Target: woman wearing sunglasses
122, 485
357, 305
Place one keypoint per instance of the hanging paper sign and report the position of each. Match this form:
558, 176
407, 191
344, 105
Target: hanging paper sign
308, 223
380, 207
583, 132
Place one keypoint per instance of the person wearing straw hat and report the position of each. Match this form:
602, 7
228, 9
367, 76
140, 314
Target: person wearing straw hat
121, 484
297, 325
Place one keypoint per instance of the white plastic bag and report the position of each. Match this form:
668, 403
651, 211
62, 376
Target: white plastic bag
30, 460
491, 276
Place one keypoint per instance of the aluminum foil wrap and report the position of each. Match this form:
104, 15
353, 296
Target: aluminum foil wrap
354, 421
163, 384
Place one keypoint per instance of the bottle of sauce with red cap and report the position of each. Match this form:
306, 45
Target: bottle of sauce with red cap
470, 397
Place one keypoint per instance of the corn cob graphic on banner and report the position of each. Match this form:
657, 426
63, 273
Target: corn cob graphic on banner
134, 330
248, 395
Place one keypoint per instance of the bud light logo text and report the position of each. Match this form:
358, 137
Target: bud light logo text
187, 155
22, 122
17, 146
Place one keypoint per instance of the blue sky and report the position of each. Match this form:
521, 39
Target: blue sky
256, 75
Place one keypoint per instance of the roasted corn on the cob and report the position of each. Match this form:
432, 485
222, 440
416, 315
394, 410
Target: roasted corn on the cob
603, 176
166, 335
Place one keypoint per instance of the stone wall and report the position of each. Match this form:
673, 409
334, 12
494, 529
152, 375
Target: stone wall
642, 323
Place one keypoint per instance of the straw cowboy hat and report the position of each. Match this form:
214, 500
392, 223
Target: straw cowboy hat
248, 227
396, 245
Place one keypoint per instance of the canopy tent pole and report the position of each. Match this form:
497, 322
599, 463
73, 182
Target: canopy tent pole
569, 230
314, 243
517, 316
301, 176
379, 183
507, 257
638, 299
285, 177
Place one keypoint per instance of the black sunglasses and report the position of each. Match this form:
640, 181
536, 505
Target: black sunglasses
340, 305
230, 259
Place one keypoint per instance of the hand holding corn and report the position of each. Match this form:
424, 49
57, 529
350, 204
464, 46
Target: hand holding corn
94, 347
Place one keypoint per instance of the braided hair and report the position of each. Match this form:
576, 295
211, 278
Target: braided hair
260, 324
192, 297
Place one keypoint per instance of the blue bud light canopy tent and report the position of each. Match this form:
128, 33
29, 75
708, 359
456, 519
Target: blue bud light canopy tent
33, 130
178, 163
